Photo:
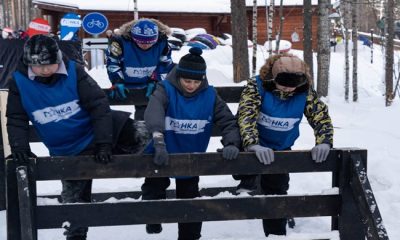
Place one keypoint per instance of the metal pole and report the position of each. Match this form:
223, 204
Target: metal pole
372, 45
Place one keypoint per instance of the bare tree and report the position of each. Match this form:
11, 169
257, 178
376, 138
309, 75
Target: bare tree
307, 36
135, 10
354, 39
281, 18
344, 11
323, 57
346, 66
239, 40
270, 22
389, 52
254, 65
345, 8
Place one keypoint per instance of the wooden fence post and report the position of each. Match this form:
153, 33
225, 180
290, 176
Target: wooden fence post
13, 221
2, 175
4, 147
349, 222
26, 208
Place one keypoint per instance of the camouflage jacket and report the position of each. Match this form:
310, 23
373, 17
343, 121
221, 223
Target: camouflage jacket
315, 111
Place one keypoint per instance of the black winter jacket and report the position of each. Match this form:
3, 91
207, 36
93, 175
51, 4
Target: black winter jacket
91, 98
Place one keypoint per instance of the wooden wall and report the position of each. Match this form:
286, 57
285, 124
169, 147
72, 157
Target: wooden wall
293, 19
215, 24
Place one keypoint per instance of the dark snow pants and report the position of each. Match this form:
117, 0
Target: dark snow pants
271, 184
274, 184
155, 188
139, 112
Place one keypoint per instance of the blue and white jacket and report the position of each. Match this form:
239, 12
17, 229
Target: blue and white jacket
129, 64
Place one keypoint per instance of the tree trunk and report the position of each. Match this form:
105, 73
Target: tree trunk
344, 11
13, 16
239, 41
345, 8
346, 66
280, 27
389, 52
355, 50
254, 65
135, 10
307, 36
270, 23
323, 57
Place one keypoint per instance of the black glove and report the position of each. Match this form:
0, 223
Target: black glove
21, 157
230, 152
103, 153
161, 155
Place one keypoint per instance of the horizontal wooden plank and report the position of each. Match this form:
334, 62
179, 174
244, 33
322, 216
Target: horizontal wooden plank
186, 210
194, 164
33, 136
100, 197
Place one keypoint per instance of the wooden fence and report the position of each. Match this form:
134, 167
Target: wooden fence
353, 209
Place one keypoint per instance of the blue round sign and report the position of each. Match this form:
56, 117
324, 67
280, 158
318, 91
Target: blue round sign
95, 23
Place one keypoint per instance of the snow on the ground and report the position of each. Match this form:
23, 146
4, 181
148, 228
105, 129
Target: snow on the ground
366, 124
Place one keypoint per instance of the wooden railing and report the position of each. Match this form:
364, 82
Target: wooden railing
353, 208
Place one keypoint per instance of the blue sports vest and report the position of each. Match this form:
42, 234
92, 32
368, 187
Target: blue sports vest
278, 121
139, 64
188, 121
54, 110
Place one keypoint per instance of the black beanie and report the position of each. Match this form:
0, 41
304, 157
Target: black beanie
192, 65
41, 50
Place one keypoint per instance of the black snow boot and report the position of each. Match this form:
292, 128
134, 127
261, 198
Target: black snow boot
76, 238
153, 228
247, 184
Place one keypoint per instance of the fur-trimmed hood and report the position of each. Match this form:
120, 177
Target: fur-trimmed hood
267, 77
125, 29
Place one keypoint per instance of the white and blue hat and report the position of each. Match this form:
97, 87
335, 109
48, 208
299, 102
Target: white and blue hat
144, 31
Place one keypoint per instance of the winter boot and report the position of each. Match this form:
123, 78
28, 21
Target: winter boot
247, 184
153, 228
76, 238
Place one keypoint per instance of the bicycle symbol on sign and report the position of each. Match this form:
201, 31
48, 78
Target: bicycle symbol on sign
96, 23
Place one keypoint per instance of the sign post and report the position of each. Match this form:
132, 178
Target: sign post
95, 43
94, 23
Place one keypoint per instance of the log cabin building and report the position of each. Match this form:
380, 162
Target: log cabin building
215, 19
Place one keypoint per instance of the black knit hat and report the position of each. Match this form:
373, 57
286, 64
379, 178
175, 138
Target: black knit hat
41, 50
192, 65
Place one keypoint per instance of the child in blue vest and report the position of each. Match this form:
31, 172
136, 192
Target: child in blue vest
138, 58
180, 115
70, 113
270, 111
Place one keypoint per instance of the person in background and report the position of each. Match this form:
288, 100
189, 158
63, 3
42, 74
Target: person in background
270, 111
109, 35
138, 58
7, 33
183, 99
70, 113
381, 25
